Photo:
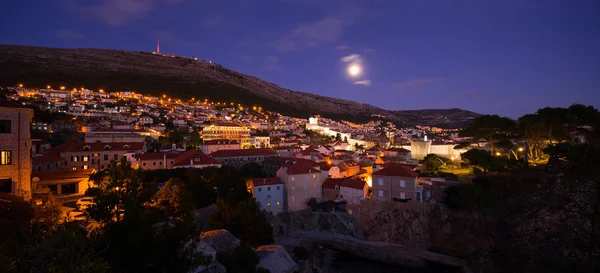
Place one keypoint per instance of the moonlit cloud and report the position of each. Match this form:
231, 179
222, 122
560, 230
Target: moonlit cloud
350, 58
326, 30
363, 82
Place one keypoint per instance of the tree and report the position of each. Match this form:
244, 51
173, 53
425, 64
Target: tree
242, 259
479, 158
338, 137
50, 247
432, 163
346, 139
301, 253
244, 220
175, 198
488, 127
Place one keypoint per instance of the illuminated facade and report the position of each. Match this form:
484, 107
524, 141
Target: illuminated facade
15, 149
231, 131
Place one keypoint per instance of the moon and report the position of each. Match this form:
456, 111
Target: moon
354, 70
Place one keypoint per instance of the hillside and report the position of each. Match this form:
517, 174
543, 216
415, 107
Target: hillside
185, 77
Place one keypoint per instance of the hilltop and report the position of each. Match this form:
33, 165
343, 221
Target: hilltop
186, 77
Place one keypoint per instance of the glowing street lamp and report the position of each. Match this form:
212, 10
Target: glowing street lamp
47, 86
497, 153
20, 85
520, 149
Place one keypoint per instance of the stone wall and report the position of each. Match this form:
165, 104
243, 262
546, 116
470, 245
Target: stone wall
18, 142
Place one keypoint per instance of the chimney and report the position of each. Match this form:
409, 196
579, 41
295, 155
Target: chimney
158, 45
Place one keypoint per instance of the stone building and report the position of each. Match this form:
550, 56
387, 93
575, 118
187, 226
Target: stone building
15, 149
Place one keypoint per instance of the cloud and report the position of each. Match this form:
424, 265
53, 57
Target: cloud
272, 64
341, 47
363, 82
350, 58
67, 33
323, 31
414, 83
115, 13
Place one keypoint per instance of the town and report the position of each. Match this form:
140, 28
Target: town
66, 152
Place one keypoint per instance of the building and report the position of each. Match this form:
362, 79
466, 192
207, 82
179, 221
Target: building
349, 167
400, 154
63, 181
275, 259
348, 189
155, 161
395, 182
116, 133
83, 156
50, 161
268, 192
238, 158
42, 126
15, 149
211, 146
195, 159
260, 141
231, 131
302, 182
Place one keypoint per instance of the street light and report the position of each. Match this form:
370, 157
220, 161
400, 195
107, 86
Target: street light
520, 149
497, 153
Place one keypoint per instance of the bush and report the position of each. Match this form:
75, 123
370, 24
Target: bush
301, 253
473, 196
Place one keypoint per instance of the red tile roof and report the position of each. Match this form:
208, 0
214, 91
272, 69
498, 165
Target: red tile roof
44, 158
399, 150
396, 169
243, 152
156, 156
220, 142
266, 181
10, 104
111, 130
195, 157
62, 174
330, 183
227, 124
302, 168
76, 146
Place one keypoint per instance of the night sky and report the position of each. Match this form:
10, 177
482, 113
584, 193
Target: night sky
506, 57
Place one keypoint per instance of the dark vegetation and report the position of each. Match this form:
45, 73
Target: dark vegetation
140, 228
534, 215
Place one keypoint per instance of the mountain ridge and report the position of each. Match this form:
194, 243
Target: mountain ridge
186, 77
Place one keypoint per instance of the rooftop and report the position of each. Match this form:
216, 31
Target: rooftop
76, 146
62, 174
257, 182
330, 183
243, 152
396, 169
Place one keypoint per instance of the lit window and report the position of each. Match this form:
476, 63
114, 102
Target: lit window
402, 184
85, 167
85, 158
314, 176
278, 203
74, 168
380, 193
380, 181
5, 158
269, 204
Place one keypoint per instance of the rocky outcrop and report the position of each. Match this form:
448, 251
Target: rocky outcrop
537, 224
336, 223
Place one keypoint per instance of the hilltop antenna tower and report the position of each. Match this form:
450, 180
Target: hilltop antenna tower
157, 45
